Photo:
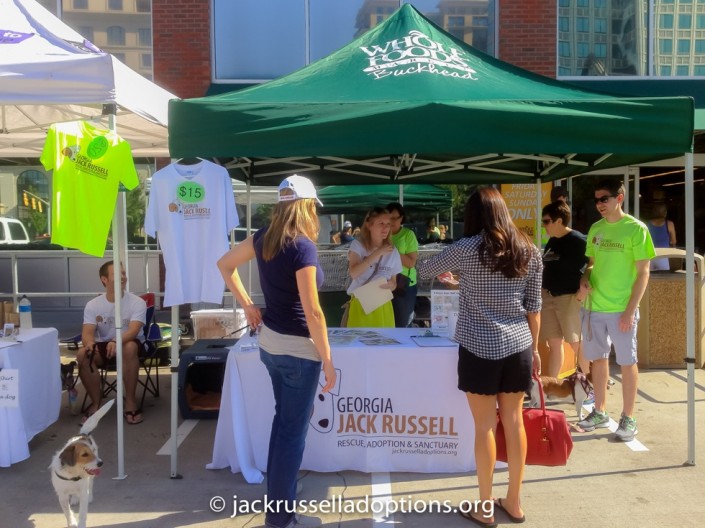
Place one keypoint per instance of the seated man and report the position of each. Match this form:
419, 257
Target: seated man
98, 336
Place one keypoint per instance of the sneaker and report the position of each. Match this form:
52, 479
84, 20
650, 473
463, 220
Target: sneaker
594, 420
627, 429
590, 399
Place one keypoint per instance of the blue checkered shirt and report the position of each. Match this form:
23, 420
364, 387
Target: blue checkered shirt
492, 321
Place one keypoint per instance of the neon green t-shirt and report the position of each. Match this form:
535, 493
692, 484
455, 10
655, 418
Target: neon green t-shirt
88, 164
405, 242
615, 247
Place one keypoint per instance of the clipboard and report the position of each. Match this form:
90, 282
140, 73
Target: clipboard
371, 296
433, 341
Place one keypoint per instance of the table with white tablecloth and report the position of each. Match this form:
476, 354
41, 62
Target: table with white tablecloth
35, 359
395, 407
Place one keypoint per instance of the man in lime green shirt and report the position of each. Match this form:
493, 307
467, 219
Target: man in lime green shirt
619, 248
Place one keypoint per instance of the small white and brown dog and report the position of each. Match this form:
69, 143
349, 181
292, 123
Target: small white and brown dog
576, 386
73, 468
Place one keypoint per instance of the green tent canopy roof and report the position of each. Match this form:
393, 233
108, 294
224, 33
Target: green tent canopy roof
407, 101
361, 198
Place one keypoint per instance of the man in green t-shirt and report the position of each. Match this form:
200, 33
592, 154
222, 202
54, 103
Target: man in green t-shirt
619, 248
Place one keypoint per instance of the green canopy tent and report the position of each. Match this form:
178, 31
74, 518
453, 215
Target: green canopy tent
408, 101
359, 198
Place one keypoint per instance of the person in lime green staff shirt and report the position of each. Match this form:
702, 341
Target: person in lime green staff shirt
405, 241
619, 248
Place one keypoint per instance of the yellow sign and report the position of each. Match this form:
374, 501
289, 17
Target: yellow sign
521, 201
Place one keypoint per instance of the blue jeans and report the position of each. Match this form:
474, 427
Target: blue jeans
294, 381
404, 307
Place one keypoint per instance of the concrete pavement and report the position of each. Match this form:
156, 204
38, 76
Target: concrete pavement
605, 483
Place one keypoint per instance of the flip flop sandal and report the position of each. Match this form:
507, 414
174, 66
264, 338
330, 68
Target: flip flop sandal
475, 520
132, 417
517, 520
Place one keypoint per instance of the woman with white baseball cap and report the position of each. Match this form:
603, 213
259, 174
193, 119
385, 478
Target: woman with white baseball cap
293, 339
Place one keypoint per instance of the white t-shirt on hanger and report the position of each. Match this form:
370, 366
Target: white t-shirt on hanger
192, 208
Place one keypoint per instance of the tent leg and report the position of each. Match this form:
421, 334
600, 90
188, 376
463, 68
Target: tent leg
174, 390
690, 302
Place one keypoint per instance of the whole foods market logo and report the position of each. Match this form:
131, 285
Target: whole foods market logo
417, 53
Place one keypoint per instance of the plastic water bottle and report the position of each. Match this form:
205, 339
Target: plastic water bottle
25, 309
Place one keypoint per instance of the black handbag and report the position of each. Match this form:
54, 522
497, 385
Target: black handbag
403, 282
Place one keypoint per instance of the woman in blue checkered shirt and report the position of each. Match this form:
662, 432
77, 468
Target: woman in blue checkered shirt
500, 302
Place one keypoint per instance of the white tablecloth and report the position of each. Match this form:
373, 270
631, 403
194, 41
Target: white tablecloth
395, 408
37, 360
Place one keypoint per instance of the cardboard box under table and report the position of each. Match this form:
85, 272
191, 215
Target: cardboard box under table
218, 324
201, 373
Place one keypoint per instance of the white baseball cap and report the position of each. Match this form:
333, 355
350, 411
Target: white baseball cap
301, 188
347, 223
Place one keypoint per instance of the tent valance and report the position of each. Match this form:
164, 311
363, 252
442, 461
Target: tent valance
360, 198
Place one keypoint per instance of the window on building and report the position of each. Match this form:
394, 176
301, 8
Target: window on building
637, 31
80, 4
700, 46
86, 32
253, 42
600, 50
684, 21
583, 3
143, 6
699, 70
146, 60
564, 49
583, 49
116, 36
666, 21
115, 5
144, 36
683, 46
119, 56
665, 71
683, 70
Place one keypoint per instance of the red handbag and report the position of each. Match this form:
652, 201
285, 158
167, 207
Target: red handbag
548, 437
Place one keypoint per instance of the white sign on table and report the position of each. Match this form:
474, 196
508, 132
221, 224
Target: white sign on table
9, 388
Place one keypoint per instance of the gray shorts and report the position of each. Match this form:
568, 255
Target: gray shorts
601, 330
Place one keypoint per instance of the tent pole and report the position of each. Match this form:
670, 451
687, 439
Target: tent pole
637, 191
118, 244
625, 181
401, 194
690, 302
537, 217
569, 188
175, 337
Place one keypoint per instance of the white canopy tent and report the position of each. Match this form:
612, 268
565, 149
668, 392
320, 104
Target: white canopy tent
48, 74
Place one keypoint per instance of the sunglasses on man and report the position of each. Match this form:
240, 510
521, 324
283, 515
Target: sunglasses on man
604, 199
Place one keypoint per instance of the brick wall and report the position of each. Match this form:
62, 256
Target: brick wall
527, 34
182, 48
